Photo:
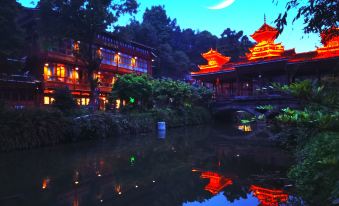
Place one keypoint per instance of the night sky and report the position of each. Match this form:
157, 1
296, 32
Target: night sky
246, 15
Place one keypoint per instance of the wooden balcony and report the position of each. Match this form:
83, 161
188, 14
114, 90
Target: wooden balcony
60, 82
74, 85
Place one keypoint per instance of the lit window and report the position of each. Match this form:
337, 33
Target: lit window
61, 72
46, 100
133, 62
47, 72
78, 101
117, 103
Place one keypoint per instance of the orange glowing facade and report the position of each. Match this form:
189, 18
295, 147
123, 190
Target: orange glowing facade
216, 183
215, 61
265, 47
331, 43
267, 62
269, 197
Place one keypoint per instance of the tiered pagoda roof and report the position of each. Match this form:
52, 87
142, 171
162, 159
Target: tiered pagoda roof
265, 33
215, 61
266, 51
265, 47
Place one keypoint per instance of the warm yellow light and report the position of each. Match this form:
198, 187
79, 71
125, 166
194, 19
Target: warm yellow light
117, 104
46, 100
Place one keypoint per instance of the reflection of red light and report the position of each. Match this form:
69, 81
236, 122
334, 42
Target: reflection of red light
45, 183
217, 182
269, 197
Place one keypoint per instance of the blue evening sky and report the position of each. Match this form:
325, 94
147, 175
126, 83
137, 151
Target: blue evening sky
246, 15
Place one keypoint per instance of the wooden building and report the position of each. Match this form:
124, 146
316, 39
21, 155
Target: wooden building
58, 66
265, 63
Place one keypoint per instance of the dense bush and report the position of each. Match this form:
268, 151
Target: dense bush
316, 174
28, 128
315, 130
141, 92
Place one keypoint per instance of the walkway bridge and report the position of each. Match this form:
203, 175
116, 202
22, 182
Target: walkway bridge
250, 103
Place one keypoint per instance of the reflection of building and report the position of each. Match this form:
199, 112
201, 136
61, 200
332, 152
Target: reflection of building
245, 128
269, 197
58, 65
217, 182
265, 63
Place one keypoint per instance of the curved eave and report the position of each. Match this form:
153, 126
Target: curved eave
201, 74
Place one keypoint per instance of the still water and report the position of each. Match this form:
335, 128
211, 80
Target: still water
196, 166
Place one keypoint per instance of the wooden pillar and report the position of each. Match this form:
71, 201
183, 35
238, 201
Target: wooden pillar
238, 88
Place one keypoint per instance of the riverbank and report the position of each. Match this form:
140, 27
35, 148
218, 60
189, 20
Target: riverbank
32, 128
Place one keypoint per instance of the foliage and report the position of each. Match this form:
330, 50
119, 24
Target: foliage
308, 118
82, 20
234, 44
316, 173
138, 87
265, 107
11, 42
318, 15
319, 94
164, 93
63, 100
315, 130
33, 128
179, 50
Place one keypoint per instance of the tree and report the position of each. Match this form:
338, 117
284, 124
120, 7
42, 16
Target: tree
64, 100
179, 50
82, 21
319, 15
12, 39
234, 44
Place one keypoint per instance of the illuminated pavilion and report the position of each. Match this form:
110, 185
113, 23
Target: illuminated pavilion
265, 63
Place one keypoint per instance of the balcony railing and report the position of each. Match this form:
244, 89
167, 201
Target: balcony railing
54, 82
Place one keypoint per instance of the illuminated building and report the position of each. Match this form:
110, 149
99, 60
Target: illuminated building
59, 66
331, 43
267, 62
269, 197
216, 183
215, 61
265, 47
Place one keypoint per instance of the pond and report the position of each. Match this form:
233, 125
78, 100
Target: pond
195, 166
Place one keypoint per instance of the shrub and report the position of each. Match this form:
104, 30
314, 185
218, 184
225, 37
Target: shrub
148, 93
64, 100
28, 128
316, 174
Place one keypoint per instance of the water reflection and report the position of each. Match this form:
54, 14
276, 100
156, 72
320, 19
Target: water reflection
145, 170
245, 128
216, 183
269, 197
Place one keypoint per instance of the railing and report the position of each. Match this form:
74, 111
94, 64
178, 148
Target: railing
59, 82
